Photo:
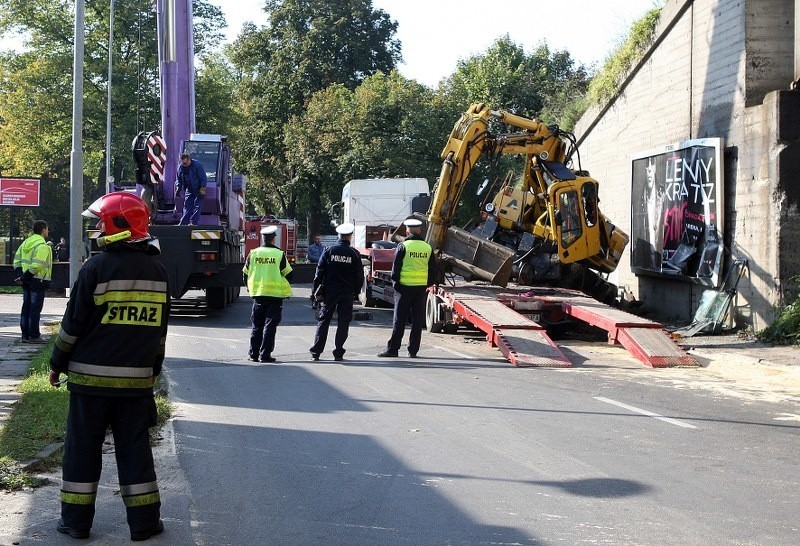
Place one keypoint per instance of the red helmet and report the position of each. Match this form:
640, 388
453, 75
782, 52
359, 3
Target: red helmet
121, 211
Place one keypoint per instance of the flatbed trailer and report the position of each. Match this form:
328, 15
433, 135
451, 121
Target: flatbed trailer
516, 320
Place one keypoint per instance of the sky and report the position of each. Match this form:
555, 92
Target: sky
435, 34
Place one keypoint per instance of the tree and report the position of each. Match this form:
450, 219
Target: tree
394, 131
539, 85
307, 46
384, 128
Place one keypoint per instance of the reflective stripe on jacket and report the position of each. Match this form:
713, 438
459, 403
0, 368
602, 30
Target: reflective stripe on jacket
36, 256
266, 269
415, 263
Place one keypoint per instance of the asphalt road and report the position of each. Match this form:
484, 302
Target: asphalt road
458, 447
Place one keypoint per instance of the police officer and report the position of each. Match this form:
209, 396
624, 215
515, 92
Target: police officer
111, 346
413, 271
267, 274
341, 276
33, 265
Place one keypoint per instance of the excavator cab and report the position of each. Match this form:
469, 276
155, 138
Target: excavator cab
576, 222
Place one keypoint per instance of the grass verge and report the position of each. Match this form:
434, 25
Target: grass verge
40, 415
39, 419
10, 290
785, 330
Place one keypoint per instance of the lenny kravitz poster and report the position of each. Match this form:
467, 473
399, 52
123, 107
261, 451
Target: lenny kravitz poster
676, 211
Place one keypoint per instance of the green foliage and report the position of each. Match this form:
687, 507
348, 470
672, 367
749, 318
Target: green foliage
381, 129
215, 109
306, 47
544, 84
10, 290
13, 478
606, 82
785, 330
36, 93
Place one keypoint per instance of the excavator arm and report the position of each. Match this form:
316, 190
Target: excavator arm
553, 205
469, 139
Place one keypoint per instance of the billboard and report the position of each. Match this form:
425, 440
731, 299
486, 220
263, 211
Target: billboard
18, 192
676, 211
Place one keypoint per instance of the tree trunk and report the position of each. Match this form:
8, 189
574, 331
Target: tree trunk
315, 208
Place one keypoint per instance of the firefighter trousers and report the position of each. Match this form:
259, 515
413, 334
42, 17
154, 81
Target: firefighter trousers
88, 419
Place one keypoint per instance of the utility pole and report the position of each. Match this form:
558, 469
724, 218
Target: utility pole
109, 177
76, 157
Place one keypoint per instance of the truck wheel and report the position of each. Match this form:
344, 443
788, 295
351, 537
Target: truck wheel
365, 296
215, 297
433, 320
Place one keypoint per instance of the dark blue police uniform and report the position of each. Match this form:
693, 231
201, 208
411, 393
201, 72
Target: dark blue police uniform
340, 272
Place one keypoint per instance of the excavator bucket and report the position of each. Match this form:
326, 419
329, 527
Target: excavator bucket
474, 257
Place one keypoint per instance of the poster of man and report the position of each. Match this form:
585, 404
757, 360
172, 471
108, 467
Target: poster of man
676, 213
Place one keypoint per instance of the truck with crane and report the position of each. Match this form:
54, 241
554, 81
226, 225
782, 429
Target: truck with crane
210, 255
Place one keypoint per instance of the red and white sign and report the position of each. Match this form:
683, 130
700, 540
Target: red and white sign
18, 192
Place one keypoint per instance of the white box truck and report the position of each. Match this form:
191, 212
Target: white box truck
376, 206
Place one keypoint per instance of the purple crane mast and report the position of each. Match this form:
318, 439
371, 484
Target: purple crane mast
176, 69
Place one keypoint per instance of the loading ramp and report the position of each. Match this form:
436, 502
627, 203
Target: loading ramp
521, 340
505, 315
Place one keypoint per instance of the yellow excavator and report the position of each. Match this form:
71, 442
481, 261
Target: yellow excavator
543, 227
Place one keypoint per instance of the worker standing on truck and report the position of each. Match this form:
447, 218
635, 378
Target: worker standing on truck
33, 268
341, 275
191, 178
111, 346
267, 273
413, 271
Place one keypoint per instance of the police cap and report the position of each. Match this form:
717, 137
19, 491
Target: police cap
413, 222
345, 229
269, 230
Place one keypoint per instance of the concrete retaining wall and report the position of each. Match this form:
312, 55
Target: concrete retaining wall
713, 71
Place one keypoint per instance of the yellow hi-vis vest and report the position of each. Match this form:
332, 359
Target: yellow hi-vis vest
415, 263
264, 274
36, 256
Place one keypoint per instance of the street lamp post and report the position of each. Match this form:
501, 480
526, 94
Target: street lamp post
109, 178
76, 157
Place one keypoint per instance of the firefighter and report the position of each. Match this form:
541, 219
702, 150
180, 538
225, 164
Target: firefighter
341, 275
33, 266
111, 346
267, 274
413, 271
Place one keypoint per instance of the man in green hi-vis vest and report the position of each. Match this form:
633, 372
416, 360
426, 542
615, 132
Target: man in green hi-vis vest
413, 272
267, 274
